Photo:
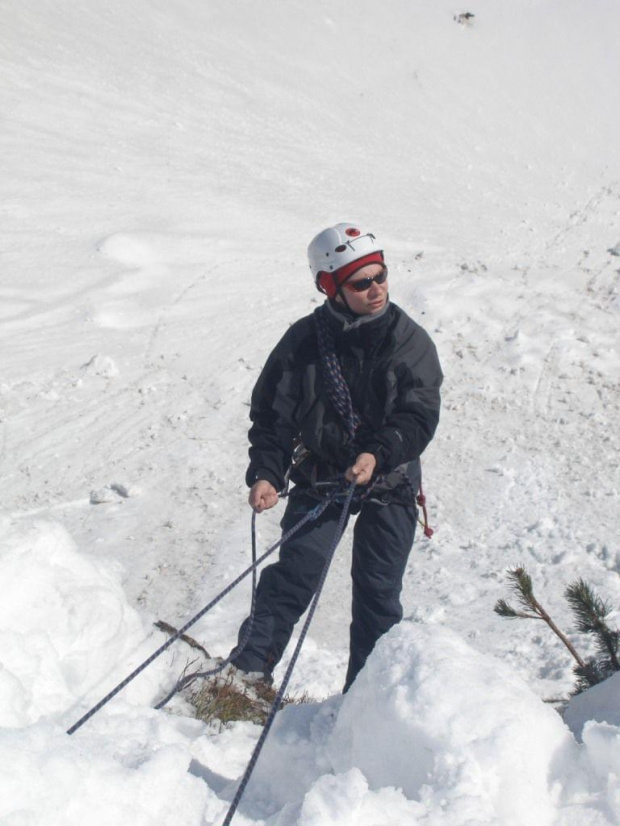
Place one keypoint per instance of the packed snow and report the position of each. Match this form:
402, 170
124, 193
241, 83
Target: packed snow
163, 167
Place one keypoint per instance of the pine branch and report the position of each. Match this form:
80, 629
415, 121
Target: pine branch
590, 609
504, 609
522, 586
591, 612
588, 675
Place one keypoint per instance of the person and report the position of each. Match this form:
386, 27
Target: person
350, 392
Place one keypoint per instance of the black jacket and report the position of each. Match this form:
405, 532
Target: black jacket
391, 368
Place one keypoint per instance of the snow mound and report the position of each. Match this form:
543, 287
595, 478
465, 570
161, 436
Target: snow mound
434, 732
67, 636
141, 250
69, 784
66, 629
101, 366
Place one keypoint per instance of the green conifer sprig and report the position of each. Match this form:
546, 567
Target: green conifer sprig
591, 613
504, 609
588, 675
522, 586
523, 589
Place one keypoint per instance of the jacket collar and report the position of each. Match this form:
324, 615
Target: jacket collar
346, 321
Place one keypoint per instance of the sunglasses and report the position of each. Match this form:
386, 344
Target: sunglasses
366, 283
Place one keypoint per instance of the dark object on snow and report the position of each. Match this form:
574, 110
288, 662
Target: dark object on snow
388, 377
464, 18
591, 613
226, 699
170, 629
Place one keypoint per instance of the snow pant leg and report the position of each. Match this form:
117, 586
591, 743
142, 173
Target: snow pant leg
286, 588
383, 537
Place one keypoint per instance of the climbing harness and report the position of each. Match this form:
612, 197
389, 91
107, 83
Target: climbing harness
312, 514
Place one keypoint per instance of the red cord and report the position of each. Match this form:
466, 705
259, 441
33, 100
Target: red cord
421, 500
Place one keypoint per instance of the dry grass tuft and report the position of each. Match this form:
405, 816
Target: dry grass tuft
227, 699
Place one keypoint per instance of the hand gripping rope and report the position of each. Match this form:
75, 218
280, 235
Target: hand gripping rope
312, 514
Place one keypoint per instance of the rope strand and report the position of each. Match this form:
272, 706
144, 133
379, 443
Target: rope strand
188, 679
313, 514
287, 676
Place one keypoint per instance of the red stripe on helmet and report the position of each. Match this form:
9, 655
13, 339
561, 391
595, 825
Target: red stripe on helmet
328, 282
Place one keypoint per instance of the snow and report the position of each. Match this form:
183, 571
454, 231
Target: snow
163, 167
64, 620
599, 703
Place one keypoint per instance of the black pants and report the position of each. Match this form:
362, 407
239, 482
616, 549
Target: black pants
383, 536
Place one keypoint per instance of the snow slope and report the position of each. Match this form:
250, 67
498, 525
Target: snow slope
163, 167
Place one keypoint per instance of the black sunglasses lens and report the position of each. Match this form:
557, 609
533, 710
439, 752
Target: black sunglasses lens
365, 283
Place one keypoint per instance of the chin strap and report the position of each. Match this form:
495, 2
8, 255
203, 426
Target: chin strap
342, 294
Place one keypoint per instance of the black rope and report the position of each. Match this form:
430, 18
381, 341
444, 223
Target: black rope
312, 514
331, 370
282, 691
188, 679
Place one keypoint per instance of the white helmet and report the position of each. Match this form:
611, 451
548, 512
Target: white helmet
335, 247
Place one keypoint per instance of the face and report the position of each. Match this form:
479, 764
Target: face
371, 300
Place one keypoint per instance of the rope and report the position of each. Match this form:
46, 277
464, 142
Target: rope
312, 514
337, 389
421, 500
188, 679
282, 691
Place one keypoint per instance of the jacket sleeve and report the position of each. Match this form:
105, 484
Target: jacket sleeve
411, 423
272, 413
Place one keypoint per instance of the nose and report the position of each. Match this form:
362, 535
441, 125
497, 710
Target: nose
376, 290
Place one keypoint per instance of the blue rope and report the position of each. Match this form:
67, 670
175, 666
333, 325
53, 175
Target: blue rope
282, 691
312, 514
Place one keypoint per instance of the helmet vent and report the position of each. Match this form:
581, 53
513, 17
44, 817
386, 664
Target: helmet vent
341, 248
